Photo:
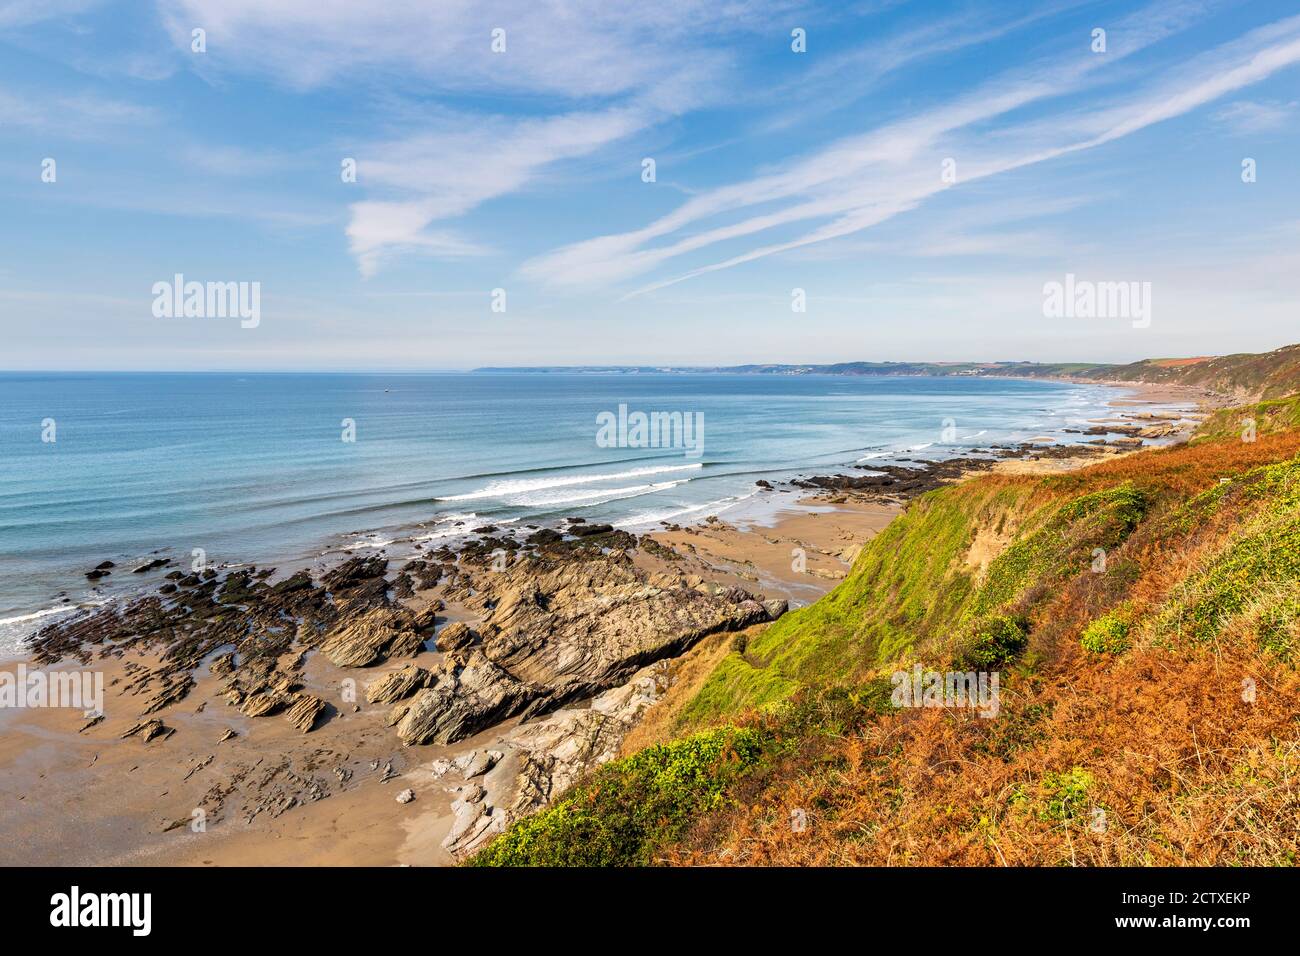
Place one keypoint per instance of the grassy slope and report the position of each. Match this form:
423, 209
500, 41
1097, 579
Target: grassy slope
1122, 688
1248, 375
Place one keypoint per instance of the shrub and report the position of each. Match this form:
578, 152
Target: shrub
996, 641
629, 807
1108, 634
1057, 797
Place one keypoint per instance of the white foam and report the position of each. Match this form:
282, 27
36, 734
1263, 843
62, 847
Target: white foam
596, 497
373, 541
18, 619
501, 489
654, 517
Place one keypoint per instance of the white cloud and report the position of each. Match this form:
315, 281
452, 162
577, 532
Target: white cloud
77, 115
575, 48
861, 181
459, 163
589, 73
21, 13
1247, 117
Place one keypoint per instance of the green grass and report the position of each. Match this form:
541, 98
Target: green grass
907, 582
912, 592
631, 807
1057, 797
1270, 416
1063, 546
1108, 634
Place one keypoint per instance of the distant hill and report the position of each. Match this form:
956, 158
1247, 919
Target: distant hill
1245, 376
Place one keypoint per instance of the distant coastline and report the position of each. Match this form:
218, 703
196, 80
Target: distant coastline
1243, 376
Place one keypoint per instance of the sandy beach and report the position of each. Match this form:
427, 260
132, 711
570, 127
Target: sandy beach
79, 798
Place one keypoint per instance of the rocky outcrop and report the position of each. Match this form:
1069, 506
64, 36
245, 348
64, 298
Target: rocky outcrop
467, 698
474, 821
558, 750
581, 626
543, 758
398, 685
455, 636
149, 729
304, 711
375, 636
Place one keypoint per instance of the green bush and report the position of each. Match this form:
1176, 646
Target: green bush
1057, 797
1108, 634
996, 641
632, 806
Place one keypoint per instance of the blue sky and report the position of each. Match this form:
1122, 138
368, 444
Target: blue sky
522, 170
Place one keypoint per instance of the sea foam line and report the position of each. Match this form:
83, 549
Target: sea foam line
500, 489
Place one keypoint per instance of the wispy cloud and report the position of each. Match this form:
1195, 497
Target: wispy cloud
457, 164
1248, 118
606, 72
864, 180
21, 13
75, 115
573, 48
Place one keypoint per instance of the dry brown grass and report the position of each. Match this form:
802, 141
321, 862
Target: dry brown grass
1186, 771
1162, 740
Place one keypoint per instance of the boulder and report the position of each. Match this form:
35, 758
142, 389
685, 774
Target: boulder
302, 713
455, 636
467, 698
477, 762
398, 685
371, 637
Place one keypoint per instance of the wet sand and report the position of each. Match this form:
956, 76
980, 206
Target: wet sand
90, 798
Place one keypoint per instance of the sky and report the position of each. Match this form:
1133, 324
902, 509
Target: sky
682, 182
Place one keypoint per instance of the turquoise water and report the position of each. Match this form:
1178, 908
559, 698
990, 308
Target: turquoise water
253, 467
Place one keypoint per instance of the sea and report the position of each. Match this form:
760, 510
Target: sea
287, 469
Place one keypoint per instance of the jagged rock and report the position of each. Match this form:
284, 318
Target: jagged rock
561, 748
440, 767
472, 826
95, 720
467, 698
228, 735
455, 636
775, 607
259, 705
304, 711
579, 627
374, 636
149, 729
151, 565
477, 762
426, 620
398, 685
406, 796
